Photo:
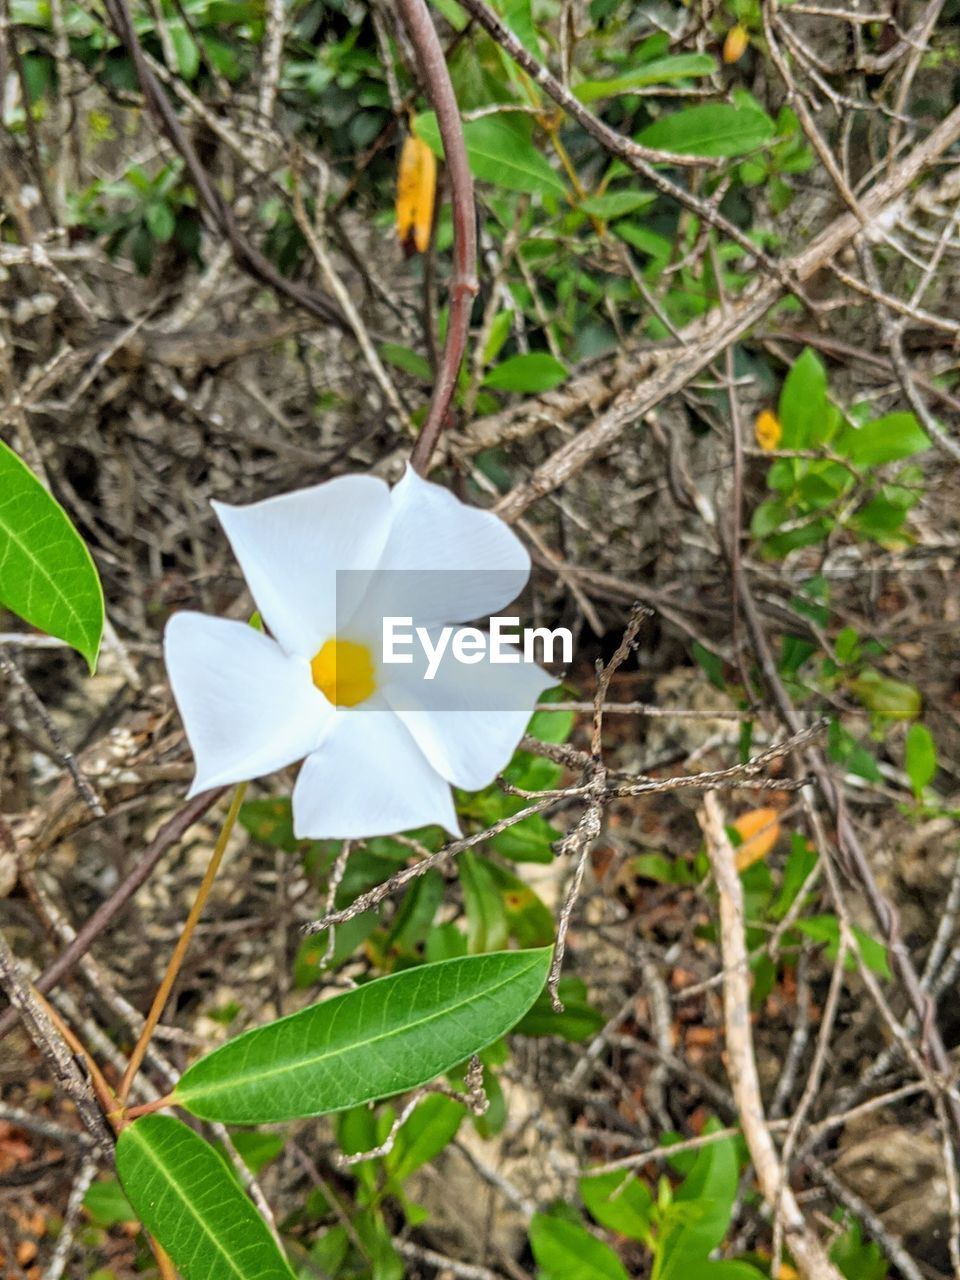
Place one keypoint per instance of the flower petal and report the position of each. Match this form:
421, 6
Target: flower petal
290, 549
444, 561
369, 778
247, 707
468, 719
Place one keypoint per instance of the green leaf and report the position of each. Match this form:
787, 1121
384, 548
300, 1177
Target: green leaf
422, 1137
728, 1270
187, 1198
47, 575
486, 918
615, 204
529, 840
532, 372
567, 1251
619, 1201
499, 333
580, 1020
160, 221
887, 697
500, 151
680, 66
715, 130
888, 439
700, 1213
185, 49
921, 757
106, 1204
385, 1037
803, 403
827, 929
409, 361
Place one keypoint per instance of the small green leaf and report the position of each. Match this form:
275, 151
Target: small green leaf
615, 204
887, 697
531, 372
888, 439
921, 757
387, 1036
106, 1204
567, 1251
486, 917
188, 1199
185, 49
619, 1201
827, 929
500, 151
409, 361
499, 333
580, 1020
803, 408
680, 66
423, 1136
715, 130
47, 575
160, 221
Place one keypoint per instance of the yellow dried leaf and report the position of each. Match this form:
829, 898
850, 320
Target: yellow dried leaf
767, 429
759, 831
416, 192
735, 45
787, 1272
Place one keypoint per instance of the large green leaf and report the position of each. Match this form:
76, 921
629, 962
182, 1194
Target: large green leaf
385, 1037
500, 151
189, 1200
46, 573
678, 66
716, 130
887, 439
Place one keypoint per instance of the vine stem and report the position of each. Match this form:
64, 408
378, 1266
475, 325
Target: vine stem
180, 950
463, 282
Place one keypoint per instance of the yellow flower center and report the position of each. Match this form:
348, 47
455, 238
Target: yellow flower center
343, 672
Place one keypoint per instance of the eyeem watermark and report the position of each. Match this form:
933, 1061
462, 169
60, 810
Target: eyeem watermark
505, 643
450, 639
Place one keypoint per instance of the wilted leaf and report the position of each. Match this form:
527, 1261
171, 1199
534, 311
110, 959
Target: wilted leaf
759, 831
416, 192
767, 429
735, 44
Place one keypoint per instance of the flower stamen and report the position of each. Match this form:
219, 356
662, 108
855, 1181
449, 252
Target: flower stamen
343, 672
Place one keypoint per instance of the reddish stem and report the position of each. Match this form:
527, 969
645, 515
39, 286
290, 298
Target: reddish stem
463, 282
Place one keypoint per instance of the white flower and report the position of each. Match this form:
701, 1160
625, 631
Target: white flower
381, 745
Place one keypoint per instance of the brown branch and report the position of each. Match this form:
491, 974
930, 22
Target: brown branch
463, 282
25, 1003
808, 1252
